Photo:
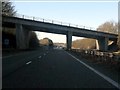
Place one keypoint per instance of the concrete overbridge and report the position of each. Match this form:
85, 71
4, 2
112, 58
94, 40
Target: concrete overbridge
23, 26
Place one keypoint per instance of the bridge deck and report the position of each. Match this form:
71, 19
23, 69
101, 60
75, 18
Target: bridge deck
56, 28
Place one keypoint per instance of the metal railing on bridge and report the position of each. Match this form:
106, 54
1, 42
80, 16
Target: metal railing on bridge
56, 22
53, 21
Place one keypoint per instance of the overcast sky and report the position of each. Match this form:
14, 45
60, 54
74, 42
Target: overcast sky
86, 13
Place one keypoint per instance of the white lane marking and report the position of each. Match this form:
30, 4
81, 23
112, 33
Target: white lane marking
39, 57
114, 83
29, 62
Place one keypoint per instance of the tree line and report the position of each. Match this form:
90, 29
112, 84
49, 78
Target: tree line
8, 33
109, 26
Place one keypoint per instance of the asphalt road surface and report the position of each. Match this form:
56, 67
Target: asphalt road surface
53, 68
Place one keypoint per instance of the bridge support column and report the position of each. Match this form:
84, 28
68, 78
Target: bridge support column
103, 44
97, 45
22, 37
69, 40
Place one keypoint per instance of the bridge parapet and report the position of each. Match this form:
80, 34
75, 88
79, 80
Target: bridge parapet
53, 21
58, 23
44, 25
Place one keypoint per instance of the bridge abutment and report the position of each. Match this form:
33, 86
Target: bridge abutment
22, 37
69, 40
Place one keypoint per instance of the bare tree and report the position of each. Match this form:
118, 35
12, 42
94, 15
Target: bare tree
84, 43
46, 41
8, 8
34, 42
118, 36
110, 27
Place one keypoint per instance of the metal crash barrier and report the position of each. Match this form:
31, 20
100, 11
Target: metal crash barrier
99, 56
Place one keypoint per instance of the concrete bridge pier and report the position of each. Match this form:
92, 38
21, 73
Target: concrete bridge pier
103, 44
22, 37
69, 40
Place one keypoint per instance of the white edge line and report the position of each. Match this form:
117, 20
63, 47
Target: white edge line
97, 72
12, 55
29, 62
7, 56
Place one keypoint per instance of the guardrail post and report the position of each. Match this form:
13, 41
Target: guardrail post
76, 25
23, 16
69, 24
33, 18
61, 23
52, 21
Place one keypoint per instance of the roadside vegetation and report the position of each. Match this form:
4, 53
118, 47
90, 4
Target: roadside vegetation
118, 36
8, 8
84, 44
107, 59
9, 34
33, 41
85, 48
109, 27
46, 42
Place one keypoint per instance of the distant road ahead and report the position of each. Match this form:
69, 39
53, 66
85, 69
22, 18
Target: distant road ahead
49, 69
